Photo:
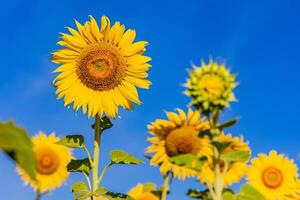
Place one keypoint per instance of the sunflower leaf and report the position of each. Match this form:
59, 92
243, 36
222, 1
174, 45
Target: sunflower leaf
228, 123
82, 166
105, 123
80, 190
16, 143
72, 141
100, 191
189, 160
122, 157
221, 145
236, 156
249, 193
117, 196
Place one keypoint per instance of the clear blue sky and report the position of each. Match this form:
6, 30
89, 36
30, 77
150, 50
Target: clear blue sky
259, 39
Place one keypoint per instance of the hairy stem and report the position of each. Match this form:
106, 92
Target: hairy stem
38, 195
97, 139
165, 187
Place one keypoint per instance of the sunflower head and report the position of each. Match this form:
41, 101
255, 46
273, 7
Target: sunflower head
100, 67
231, 172
210, 86
51, 163
143, 192
274, 175
176, 136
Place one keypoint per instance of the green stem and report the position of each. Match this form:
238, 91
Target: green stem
218, 178
97, 139
218, 184
38, 195
165, 187
103, 172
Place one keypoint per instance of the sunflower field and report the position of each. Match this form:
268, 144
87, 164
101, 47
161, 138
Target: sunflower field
101, 71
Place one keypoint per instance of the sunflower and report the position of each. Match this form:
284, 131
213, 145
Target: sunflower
100, 68
235, 170
143, 192
175, 136
273, 175
51, 162
210, 86
295, 195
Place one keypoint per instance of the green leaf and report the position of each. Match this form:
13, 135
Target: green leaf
189, 160
228, 195
148, 187
117, 196
80, 190
206, 132
16, 143
236, 156
105, 123
221, 145
198, 194
122, 157
72, 141
249, 193
100, 191
228, 123
82, 166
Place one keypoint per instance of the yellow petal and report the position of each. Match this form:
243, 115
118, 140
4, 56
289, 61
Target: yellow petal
135, 48
127, 39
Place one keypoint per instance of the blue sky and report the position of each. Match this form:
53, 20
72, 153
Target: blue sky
258, 39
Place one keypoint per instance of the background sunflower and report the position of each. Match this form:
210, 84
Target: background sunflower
274, 175
176, 136
51, 163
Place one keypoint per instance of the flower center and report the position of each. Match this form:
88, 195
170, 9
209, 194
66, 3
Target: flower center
147, 196
212, 84
272, 177
101, 67
183, 140
46, 162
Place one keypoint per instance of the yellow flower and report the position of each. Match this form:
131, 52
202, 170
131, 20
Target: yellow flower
51, 163
142, 192
210, 86
273, 175
234, 171
175, 136
101, 68
295, 195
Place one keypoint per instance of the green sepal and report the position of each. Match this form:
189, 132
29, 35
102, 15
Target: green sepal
122, 157
236, 156
227, 124
82, 166
80, 190
16, 143
190, 161
72, 141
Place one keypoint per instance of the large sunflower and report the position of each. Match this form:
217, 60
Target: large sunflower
101, 68
175, 136
210, 86
51, 163
273, 175
143, 192
234, 171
